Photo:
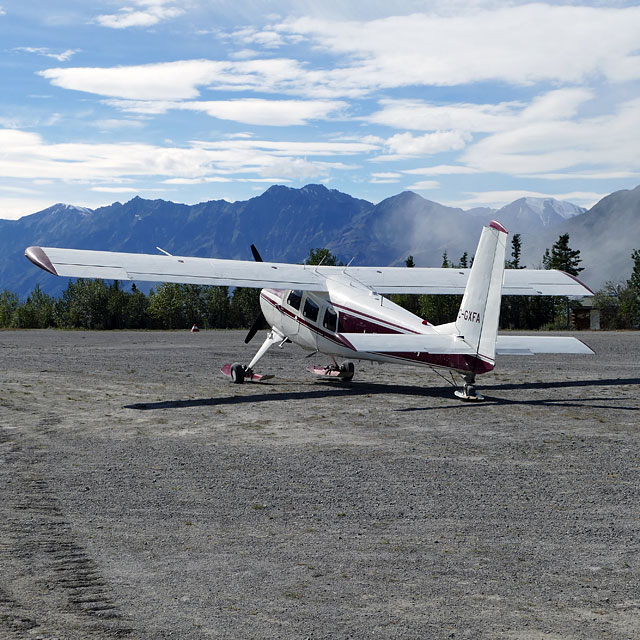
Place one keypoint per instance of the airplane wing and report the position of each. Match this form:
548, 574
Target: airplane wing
517, 282
451, 344
164, 268
110, 265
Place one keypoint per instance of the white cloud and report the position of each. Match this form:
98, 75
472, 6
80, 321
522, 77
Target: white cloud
387, 175
114, 123
516, 44
15, 208
479, 118
256, 111
267, 112
180, 80
151, 12
406, 145
27, 156
265, 38
611, 142
424, 185
441, 170
162, 81
418, 115
115, 189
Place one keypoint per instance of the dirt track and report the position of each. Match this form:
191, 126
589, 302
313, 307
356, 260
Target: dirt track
144, 496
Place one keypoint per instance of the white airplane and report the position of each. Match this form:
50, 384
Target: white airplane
341, 311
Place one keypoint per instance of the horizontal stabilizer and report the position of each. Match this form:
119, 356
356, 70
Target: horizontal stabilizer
528, 345
451, 344
435, 343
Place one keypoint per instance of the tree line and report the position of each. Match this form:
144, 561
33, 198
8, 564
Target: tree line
99, 304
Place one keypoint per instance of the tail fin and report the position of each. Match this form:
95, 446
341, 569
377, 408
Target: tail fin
479, 312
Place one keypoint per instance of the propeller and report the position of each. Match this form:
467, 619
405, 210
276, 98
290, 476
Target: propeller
260, 322
256, 256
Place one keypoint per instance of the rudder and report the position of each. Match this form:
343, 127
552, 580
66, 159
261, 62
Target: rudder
479, 312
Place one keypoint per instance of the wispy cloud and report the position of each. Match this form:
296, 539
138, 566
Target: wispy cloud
27, 155
480, 44
406, 145
148, 14
256, 111
43, 51
537, 147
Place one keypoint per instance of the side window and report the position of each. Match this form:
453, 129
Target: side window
294, 299
310, 310
330, 320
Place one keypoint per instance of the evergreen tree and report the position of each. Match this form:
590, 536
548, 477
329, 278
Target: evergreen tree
562, 257
36, 312
411, 302
322, 256
166, 306
514, 309
244, 307
216, 307
634, 281
440, 309
9, 303
516, 252
136, 314
633, 285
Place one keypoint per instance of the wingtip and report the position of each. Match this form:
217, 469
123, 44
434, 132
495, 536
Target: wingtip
494, 224
40, 259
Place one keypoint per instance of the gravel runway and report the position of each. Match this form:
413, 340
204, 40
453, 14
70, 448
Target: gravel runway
145, 496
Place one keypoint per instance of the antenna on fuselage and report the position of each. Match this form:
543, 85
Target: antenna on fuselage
166, 253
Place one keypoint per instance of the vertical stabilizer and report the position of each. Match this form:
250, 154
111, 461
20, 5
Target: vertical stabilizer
480, 309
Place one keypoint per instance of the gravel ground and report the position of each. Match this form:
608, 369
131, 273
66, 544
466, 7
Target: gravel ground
145, 496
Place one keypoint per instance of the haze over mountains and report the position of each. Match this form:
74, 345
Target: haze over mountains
284, 223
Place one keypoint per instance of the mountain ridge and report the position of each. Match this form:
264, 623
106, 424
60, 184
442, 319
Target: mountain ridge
286, 222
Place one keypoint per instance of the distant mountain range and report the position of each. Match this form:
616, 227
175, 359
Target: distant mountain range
284, 223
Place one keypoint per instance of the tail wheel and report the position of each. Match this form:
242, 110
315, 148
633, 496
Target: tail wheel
347, 370
237, 373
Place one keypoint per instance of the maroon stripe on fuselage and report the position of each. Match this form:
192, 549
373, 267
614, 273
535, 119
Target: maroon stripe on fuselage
337, 339
367, 323
450, 361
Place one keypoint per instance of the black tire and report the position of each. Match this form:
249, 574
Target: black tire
237, 373
348, 370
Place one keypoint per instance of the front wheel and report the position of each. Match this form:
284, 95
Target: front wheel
237, 373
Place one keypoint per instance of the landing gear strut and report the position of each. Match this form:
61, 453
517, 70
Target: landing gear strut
468, 391
239, 372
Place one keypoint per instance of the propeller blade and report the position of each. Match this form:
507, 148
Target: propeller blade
256, 256
259, 323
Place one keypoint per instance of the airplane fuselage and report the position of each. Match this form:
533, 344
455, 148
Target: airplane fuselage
316, 321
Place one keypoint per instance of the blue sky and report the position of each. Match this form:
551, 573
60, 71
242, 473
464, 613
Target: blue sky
468, 103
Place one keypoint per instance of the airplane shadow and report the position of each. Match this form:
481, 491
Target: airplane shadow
552, 402
336, 389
